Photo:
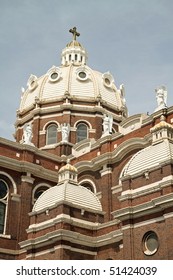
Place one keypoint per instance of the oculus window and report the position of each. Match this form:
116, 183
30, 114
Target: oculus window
150, 243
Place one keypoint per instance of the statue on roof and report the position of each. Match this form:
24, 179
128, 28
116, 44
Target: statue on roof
161, 97
107, 125
65, 130
27, 134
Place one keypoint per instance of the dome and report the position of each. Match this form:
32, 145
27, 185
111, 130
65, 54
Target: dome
73, 78
67, 192
74, 44
68, 167
160, 125
79, 82
148, 158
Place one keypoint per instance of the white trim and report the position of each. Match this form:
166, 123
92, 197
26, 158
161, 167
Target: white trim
106, 171
73, 237
11, 179
90, 182
116, 189
153, 206
59, 218
38, 186
150, 188
83, 121
50, 123
145, 223
52, 250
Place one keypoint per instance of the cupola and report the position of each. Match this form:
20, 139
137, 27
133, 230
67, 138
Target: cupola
161, 131
74, 53
67, 173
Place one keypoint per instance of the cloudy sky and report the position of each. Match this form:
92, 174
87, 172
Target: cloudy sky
133, 39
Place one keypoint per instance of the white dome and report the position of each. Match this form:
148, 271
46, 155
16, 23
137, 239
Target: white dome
67, 192
148, 158
79, 82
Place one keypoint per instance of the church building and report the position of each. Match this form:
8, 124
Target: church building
83, 180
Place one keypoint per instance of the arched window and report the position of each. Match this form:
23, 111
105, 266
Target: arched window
88, 186
39, 191
3, 204
82, 132
51, 134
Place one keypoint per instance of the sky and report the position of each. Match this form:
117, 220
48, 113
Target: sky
133, 39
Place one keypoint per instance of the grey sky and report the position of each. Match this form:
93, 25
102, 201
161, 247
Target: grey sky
133, 39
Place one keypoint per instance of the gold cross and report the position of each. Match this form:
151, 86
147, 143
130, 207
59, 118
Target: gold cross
74, 32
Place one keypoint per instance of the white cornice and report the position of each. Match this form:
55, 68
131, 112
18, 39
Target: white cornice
62, 218
153, 206
144, 190
73, 237
23, 166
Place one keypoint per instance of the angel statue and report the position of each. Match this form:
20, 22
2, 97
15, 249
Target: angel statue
107, 125
161, 97
65, 130
27, 134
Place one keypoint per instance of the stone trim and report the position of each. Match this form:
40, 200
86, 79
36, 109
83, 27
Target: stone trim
155, 205
157, 186
73, 237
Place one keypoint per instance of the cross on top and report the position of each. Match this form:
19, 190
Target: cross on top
74, 32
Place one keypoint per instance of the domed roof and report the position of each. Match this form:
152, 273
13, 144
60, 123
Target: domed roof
160, 151
149, 157
73, 78
74, 43
68, 167
79, 82
67, 192
161, 124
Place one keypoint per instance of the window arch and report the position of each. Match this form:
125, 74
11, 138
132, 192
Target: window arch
38, 190
82, 132
51, 135
89, 184
4, 191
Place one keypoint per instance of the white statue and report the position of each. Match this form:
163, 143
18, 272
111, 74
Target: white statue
107, 125
161, 97
27, 134
65, 130
122, 94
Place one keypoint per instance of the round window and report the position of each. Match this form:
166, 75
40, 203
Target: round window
54, 76
107, 81
3, 189
150, 243
82, 75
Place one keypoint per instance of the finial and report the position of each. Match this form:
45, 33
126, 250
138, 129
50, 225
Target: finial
74, 32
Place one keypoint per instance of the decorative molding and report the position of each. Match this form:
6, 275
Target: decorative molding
144, 190
73, 237
27, 179
16, 197
116, 189
153, 206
